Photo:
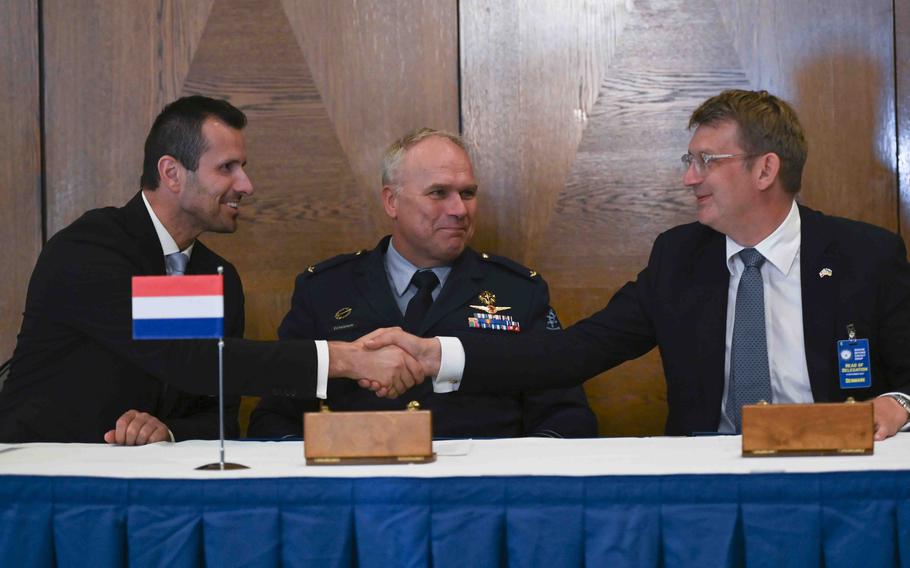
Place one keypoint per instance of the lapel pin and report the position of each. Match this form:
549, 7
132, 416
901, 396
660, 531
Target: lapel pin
824, 272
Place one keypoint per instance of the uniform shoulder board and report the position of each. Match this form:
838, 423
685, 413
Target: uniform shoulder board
331, 262
510, 264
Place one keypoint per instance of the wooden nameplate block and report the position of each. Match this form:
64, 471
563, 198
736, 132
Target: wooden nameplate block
380, 437
808, 429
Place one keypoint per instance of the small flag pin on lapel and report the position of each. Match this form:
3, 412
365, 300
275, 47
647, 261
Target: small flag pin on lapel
824, 272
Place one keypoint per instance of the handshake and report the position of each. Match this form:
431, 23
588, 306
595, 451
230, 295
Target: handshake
388, 361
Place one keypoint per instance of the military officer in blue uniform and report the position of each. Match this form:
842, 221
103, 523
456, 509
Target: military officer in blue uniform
426, 279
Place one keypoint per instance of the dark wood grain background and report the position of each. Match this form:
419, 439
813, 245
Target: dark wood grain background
575, 113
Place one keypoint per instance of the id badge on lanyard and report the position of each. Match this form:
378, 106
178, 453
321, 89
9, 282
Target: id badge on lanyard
853, 361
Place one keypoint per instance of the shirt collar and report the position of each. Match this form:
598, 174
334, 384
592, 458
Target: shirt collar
168, 244
779, 248
401, 270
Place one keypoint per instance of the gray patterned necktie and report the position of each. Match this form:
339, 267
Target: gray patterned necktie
750, 380
176, 263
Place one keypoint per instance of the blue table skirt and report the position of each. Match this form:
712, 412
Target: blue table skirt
804, 520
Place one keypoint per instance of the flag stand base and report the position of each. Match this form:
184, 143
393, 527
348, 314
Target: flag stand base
222, 466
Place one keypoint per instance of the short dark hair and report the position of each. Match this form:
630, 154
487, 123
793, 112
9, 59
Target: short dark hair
766, 124
177, 132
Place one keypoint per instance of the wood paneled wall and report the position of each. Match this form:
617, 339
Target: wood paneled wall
575, 114
902, 90
20, 162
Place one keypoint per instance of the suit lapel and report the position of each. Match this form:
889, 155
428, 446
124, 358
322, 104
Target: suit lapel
819, 300
138, 224
372, 284
202, 260
712, 282
461, 285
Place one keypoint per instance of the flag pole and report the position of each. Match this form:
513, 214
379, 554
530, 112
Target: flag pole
221, 394
221, 465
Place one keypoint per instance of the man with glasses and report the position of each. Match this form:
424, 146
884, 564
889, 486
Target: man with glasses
750, 303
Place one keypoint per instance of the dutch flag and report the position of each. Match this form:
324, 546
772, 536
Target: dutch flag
184, 307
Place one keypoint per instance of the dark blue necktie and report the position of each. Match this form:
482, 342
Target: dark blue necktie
750, 380
425, 281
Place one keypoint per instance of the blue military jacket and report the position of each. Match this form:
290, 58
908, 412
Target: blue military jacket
348, 296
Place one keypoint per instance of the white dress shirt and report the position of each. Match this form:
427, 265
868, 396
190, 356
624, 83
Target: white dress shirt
400, 271
168, 244
783, 314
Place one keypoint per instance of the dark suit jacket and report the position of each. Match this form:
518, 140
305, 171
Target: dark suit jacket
359, 282
679, 303
76, 369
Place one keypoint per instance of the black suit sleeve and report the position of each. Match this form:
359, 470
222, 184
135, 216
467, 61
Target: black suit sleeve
94, 296
279, 416
894, 317
559, 412
200, 420
621, 331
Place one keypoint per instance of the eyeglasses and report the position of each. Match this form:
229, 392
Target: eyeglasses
701, 160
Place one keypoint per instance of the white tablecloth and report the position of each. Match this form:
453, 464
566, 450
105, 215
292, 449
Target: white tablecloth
457, 458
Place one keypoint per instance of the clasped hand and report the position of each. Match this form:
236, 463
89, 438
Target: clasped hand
380, 362
424, 353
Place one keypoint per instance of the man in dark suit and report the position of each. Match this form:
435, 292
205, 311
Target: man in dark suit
747, 304
77, 375
429, 193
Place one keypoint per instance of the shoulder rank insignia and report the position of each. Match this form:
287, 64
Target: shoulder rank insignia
509, 264
331, 263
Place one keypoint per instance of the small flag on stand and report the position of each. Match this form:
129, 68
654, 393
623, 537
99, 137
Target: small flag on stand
184, 307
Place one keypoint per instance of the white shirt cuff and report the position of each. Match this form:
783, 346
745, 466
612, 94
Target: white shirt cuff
322, 368
451, 365
906, 427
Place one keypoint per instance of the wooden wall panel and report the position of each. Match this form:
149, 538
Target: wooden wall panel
834, 60
531, 71
306, 202
382, 68
612, 185
902, 88
109, 68
20, 174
